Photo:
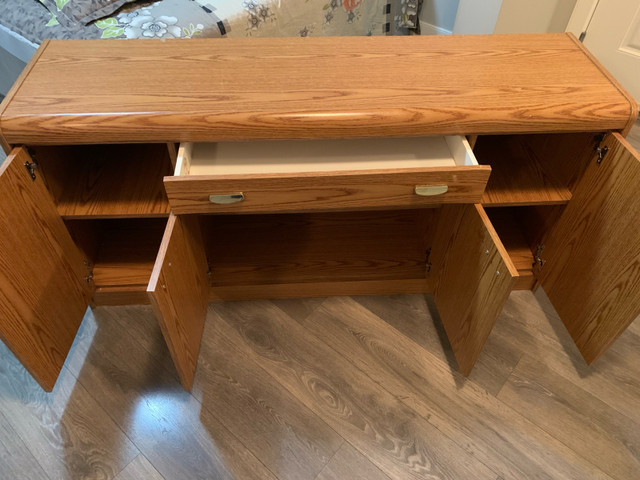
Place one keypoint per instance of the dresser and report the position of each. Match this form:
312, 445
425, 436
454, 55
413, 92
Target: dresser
181, 172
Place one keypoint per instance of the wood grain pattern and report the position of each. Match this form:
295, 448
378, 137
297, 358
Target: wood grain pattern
436, 84
131, 383
107, 181
399, 442
123, 363
514, 447
531, 325
349, 463
633, 115
319, 247
4, 143
507, 226
127, 251
473, 278
121, 295
172, 150
572, 415
67, 431
16, 461
305, 192
178, 292
139, 469
416, 317
285, 436
318, 289
592, 256
517, 176
43, 291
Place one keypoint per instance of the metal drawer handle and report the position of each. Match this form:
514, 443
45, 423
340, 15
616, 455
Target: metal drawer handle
226, 199
429, 190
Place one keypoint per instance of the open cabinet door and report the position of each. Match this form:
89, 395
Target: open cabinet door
44, 290
591, 258
473, 278
179, 291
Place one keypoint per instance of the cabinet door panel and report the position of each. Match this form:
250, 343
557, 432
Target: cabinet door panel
43, 289
473, 278
591, 259
179, 291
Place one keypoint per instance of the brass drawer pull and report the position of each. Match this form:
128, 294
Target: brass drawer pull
226, 199
429, 190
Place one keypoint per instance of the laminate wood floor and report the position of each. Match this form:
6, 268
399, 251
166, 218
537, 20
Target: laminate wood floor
337, 388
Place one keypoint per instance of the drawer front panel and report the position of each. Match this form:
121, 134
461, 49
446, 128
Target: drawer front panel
326, 190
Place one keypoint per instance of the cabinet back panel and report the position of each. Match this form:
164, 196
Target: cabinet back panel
343, 246
107, 181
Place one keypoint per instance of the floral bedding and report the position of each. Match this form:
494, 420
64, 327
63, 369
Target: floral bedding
216, 18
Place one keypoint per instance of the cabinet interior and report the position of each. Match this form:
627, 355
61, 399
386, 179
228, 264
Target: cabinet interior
318, 247
122, 251
113, 202
539, 169
106, 181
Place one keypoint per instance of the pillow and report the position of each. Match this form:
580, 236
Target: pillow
72, 13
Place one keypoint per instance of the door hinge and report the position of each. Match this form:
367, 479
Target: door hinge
89, 277
538, 256
31, 168
582, 35
600, 150
427, 263
33, 165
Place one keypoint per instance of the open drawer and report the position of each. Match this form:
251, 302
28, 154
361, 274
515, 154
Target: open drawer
311, 175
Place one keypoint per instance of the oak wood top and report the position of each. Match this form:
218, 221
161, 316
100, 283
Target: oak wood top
93, 91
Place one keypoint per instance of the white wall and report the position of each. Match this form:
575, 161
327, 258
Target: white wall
438, 16
477, 16
534, 16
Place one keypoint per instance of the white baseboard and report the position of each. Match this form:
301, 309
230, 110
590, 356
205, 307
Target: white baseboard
429, 29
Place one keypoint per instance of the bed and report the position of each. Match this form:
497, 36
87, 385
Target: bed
25, 23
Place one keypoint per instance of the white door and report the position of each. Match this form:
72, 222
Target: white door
611, 30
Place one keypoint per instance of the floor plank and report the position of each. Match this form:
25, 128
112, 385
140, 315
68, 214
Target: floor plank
397, 440
180, 438
597, 432
478, 422
284, 434
16, 461
349, 464
139, 469
529, 325
417, 317
67, 431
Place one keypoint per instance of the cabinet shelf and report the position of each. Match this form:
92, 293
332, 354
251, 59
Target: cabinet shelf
517, 175
514, 241
107, 181
127, 252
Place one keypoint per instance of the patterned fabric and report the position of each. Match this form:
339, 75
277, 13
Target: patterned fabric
216, 18
73, 12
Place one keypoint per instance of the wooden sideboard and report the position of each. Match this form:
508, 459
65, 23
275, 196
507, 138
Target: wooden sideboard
180, 172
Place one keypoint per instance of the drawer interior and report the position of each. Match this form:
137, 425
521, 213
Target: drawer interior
305, 156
